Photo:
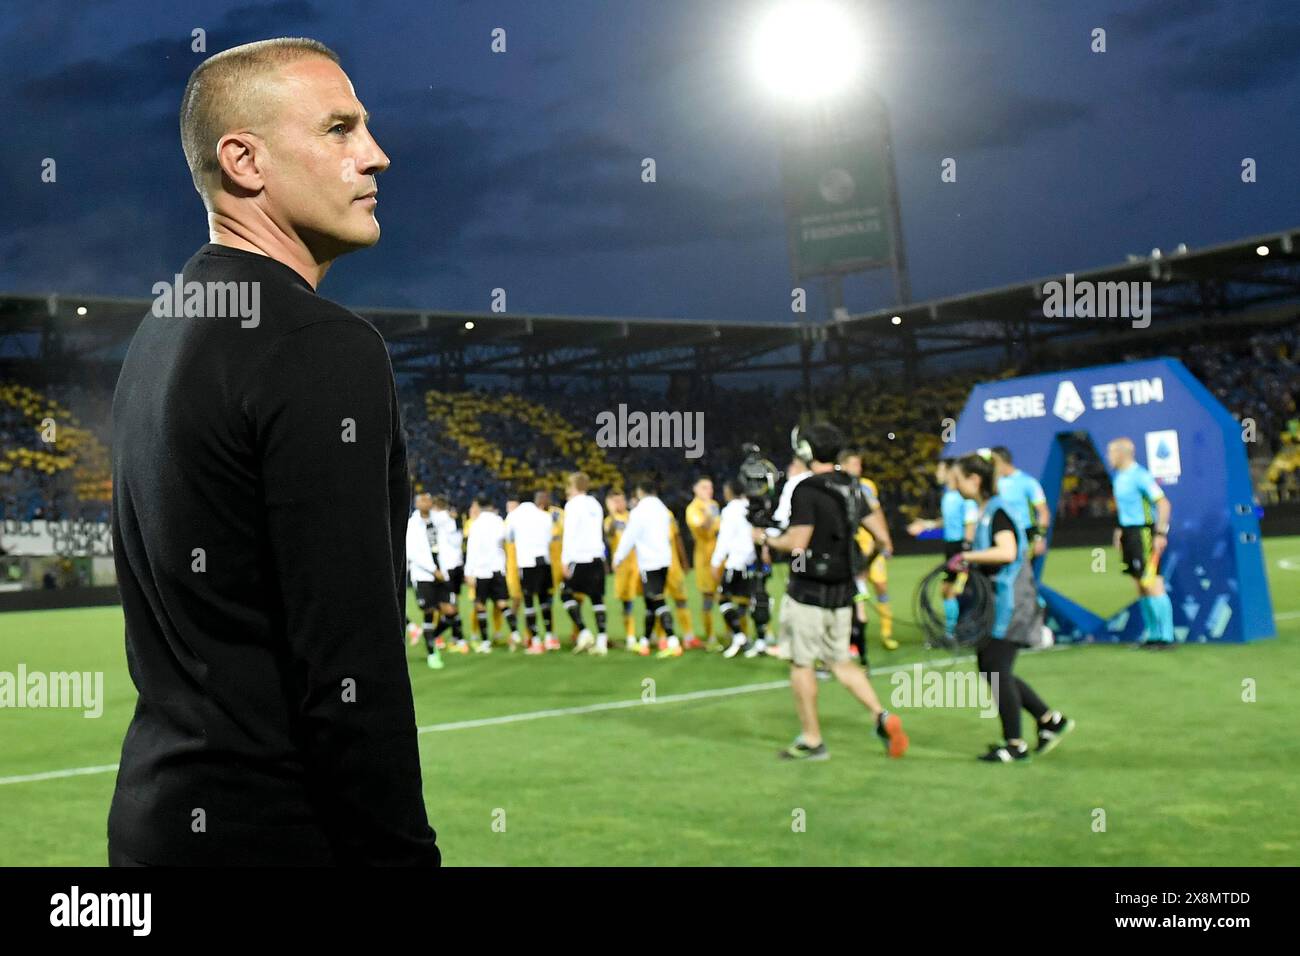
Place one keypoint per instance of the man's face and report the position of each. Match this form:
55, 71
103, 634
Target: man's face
543, 500
704, 489
853, 465
1001, 466
321, 161
616, 503
423, 504
1116, 455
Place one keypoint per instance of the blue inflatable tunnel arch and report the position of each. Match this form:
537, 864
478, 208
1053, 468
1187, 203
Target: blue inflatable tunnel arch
1214, 567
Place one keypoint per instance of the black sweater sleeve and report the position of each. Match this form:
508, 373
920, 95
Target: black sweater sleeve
323, 410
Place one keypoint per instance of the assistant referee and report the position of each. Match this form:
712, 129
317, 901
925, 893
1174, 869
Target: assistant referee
260, 495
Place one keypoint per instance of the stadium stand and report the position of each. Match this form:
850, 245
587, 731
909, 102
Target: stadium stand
502, 442
69, 477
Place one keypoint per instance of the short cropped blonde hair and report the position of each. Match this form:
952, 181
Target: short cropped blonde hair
219, 96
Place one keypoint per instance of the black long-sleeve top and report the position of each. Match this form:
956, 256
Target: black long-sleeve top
260, 496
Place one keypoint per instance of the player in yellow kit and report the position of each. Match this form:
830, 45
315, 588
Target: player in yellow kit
557, 546
702, 518
557, 564
675, 588
627, 579
877, 573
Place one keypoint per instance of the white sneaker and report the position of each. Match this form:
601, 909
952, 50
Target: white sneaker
585, 642
737, 642
483, 647
757, 648
515, 641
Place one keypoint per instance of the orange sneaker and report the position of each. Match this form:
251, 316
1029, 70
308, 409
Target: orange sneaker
692, 643
889, 728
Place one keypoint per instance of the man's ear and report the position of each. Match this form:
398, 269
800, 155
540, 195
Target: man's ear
240, 157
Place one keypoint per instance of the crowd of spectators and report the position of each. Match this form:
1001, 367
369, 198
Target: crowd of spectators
506, 443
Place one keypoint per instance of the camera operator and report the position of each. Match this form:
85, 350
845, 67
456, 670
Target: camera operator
825, 511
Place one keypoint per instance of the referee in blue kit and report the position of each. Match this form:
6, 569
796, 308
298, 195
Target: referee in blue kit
1142, 513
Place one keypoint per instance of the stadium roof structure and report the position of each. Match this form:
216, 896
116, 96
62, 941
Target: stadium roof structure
1187, 288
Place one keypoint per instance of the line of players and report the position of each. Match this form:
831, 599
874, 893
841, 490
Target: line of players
515, 565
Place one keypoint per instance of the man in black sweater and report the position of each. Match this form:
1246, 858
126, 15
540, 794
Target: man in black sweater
259, 499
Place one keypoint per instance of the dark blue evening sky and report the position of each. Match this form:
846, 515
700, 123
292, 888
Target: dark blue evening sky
522, 170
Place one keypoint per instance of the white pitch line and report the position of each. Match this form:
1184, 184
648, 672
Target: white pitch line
57, 774
534, 715
666, 699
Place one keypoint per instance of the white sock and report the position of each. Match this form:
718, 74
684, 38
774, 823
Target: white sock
602, 642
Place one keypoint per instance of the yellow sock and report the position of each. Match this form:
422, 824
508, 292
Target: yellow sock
684, 624
886, 618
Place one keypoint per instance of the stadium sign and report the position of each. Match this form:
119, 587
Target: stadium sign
42, 538
839, 204
1214, 567
1068, 404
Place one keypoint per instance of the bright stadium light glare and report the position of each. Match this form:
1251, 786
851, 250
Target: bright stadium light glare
1261, 250
81, 310
897, 320
808, 50
469, 325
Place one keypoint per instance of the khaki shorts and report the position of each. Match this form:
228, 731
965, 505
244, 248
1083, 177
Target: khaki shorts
809, 633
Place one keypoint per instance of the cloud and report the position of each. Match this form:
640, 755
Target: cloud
993, 120
1156, 16
1230, 63
151, 67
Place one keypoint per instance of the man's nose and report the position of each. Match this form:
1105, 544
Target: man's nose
373, 160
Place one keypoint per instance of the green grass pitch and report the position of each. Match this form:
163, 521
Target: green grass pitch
1185, 771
